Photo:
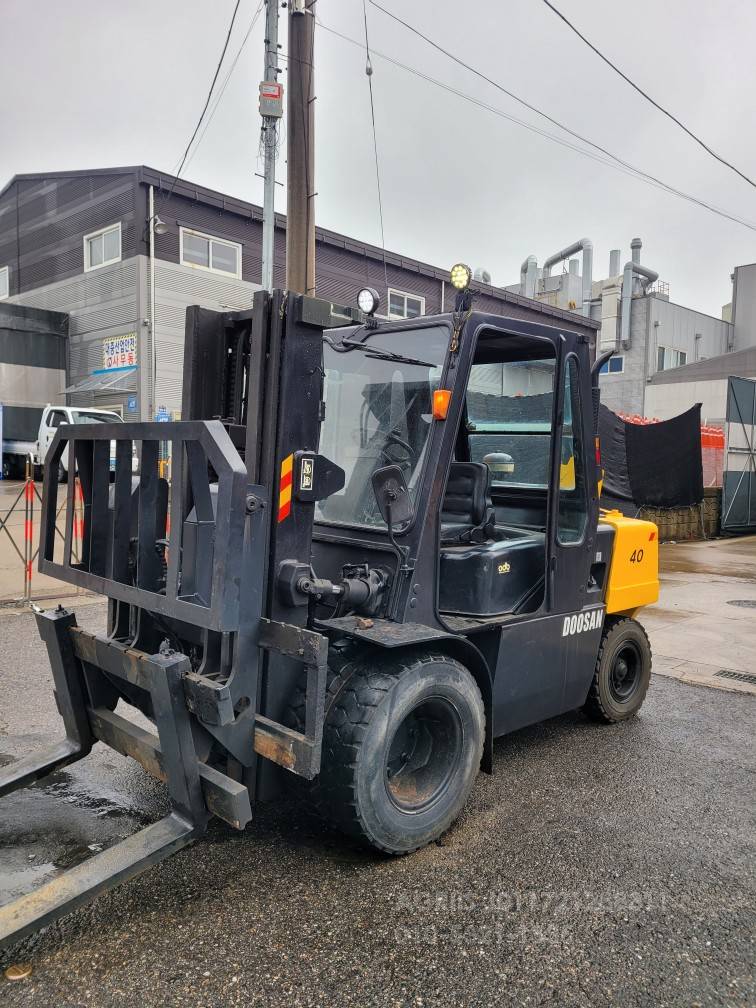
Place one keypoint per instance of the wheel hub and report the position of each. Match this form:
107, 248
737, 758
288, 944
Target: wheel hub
625, 675
423, 753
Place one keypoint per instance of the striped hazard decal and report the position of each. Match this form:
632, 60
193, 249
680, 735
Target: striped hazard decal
284, 490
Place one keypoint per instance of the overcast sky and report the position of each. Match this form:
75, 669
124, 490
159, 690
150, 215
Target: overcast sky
93, 83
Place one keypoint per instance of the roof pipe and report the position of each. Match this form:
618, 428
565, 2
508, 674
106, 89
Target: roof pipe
635, 250
646, 276
584, 245
528, 272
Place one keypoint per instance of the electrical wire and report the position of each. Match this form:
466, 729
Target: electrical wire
614, 160
226, 80
369, 74
647, 96
207, 100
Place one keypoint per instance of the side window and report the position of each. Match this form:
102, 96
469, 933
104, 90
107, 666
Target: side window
55, 418
573, 499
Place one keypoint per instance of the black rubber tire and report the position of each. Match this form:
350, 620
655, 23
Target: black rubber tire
621, 635
62, 474
376, 703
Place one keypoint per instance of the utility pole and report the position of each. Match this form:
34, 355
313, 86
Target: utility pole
300, 129
271, 110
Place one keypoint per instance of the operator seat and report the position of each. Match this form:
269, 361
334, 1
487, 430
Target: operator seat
467, 512
485, 570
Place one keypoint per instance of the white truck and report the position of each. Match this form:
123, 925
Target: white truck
16, 453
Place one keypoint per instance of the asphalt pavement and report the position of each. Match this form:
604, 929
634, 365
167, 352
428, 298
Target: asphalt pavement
598, 865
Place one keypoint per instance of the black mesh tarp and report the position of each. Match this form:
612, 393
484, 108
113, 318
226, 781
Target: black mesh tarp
614, 455
654, 465
485, 406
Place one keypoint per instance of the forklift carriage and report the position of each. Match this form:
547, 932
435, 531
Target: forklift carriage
380, 549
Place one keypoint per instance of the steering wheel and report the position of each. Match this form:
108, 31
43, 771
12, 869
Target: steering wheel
392, 438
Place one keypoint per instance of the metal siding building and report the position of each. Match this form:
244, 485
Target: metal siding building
671, 392
657, 323
44, 220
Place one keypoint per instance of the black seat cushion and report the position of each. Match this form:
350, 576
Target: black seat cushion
467, 512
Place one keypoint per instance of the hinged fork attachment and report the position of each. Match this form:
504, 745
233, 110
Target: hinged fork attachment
196, 790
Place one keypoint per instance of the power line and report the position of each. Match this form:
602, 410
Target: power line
226, 80
369, 73
611, 161
207, 100
648, 97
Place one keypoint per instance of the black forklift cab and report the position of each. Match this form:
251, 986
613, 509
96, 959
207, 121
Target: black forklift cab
502, 486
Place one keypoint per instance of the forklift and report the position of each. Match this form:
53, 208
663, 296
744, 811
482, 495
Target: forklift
380, 549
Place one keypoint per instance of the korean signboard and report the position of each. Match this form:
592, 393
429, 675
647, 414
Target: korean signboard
119, 351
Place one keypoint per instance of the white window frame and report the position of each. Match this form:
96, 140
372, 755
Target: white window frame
671, 354
211, 238
88, 267
405, 295
5, 270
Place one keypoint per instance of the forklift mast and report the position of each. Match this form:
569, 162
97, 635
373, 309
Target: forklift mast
196, 636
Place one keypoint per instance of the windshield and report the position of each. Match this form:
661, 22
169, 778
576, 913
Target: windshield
96, 418
378, 412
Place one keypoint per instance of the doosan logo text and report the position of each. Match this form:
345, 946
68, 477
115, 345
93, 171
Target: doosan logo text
582, 622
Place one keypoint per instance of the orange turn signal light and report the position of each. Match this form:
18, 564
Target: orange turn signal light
441, 400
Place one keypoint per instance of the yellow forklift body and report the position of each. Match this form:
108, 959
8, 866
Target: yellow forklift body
634, 569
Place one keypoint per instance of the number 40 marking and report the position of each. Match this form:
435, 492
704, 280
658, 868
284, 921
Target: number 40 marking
636, 556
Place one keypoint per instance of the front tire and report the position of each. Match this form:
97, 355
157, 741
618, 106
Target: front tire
402, 746
623, 672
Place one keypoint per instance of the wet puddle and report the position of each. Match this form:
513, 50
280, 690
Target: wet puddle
53, 825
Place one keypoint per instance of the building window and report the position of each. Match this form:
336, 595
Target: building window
615, 365
402, 305
202, 251
4, 282
102, 247
667, 358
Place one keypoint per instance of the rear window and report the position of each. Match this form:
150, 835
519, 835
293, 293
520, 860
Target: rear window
509, 409
86, 418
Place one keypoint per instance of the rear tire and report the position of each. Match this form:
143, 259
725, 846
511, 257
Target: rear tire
623, 672
402, 746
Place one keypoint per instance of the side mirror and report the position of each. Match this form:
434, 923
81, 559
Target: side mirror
392, 496
499, 462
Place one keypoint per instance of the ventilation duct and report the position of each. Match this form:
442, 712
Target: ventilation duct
585, 245
528, 277
644, 276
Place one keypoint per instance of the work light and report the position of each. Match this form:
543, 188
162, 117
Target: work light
460, 276
368, 300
